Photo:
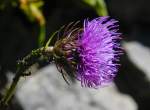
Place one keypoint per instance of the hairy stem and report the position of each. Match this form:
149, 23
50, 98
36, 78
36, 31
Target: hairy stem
23, 65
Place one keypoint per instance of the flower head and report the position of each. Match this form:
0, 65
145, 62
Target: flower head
92, 53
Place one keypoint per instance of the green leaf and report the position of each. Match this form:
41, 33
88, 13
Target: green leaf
50, 39
52, 36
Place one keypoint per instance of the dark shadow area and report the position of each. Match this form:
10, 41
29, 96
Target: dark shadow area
134, 16
134, 82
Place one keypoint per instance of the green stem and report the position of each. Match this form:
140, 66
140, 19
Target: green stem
11, 90
41, 37
23, 65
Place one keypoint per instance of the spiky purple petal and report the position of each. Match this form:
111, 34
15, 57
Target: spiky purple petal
98, 52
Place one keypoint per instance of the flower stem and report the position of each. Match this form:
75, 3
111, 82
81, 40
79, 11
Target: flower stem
11, 90
23, 65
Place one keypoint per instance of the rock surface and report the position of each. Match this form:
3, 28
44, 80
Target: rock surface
139, 55
47, 90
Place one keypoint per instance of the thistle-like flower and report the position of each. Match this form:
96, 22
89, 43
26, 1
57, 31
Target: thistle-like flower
90, 54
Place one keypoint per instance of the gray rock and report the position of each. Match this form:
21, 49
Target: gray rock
139, 55
46, 90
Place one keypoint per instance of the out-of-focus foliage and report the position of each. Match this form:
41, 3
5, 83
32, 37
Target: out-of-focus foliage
99, 6
32, 8
33, 11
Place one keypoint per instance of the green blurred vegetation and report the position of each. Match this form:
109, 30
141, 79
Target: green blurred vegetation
99, 6
33, 11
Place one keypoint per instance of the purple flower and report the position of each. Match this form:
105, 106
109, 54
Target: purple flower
90, 54
99, 52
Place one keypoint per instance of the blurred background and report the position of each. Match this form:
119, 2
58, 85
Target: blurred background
27, 24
